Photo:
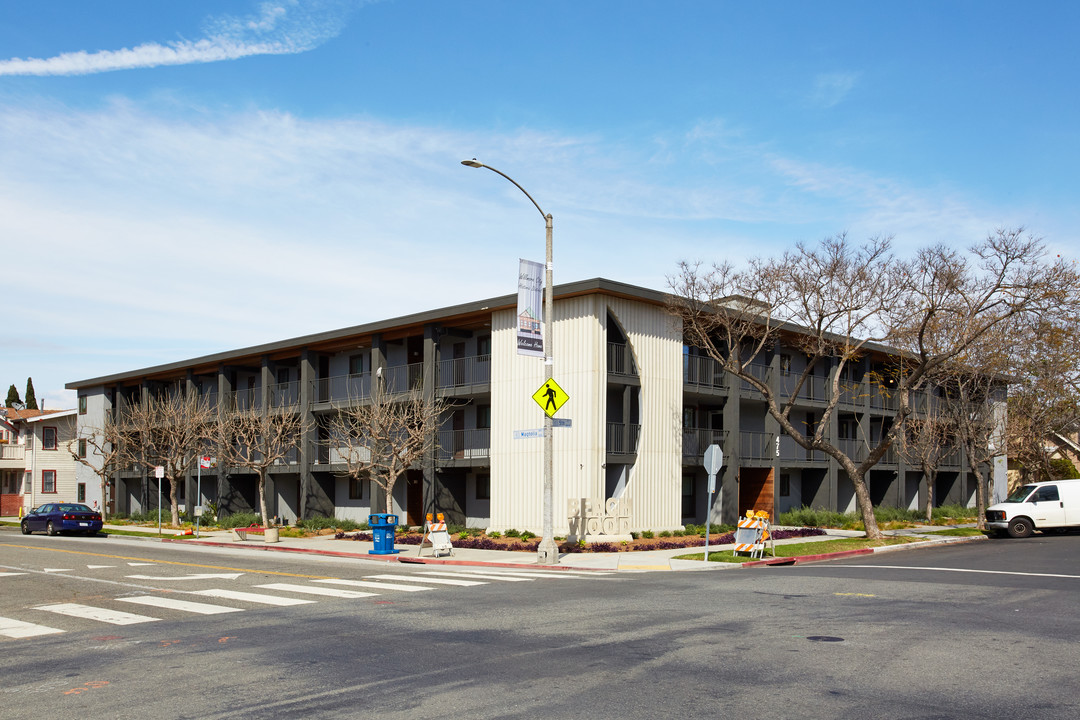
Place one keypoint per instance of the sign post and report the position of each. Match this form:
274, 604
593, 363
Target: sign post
204, 462
714, 460
159, 473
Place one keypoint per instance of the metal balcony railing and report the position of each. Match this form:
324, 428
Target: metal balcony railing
756, 445
622, 438
462, 372
759, 371
792, 450
813, 389
620, 360
695, 441
464, 444
284, 395
703, 372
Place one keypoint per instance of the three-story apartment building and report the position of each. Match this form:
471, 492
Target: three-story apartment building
642, 409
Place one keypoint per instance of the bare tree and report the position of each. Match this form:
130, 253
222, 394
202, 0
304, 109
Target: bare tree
104, 452
168, 429
926, 441
837, 301
385, 436
257, 441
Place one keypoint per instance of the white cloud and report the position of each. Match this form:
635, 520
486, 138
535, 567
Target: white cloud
284, 27
830, 89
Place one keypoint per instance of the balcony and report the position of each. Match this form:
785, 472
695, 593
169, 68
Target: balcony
859, 450
622, 438
12, 457
792, 451
812, 390
620, 360
283, 395
704, 373
759, 371
756, 446
468, 375
464, 445
341, 389
695, 441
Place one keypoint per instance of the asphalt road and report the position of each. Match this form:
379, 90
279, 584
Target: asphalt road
984, 630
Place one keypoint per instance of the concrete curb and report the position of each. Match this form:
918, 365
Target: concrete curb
921, 545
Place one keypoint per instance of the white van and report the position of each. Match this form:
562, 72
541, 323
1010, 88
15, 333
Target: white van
1038, 506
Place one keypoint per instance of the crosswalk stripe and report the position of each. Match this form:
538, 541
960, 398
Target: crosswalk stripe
432, 580
19, 629
528, 574
52, 570
136, 564
479, 576
98, 567
253, 597
375, 585
331, 592
86, 612
174, 604
10, 574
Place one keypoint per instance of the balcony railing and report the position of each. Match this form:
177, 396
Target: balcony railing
12, 452
462, 372
813, 389
620, 360
792, 450
756, 445
697, 440
859, 450
464, 444
342, 388
285, 394
703, 372
759, 371
243, 400
622, 438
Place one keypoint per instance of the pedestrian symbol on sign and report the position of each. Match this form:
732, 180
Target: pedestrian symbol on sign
550, 397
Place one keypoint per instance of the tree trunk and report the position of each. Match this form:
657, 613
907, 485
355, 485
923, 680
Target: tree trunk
104, 499
174, 507
980, 500
931, 478
866, 508
262, 497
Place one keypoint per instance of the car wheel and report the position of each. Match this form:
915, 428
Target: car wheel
49, 529
25, 528
1020, 527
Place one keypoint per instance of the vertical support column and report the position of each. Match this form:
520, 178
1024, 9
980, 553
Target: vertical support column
144, 402
191, 392
431, 484
833, 434
225, 389
266, 381
308, 451
729, 481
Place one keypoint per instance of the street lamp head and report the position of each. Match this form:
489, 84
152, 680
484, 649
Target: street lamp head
472, 163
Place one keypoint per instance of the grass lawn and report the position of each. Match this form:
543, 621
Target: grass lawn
806, 548
956, 532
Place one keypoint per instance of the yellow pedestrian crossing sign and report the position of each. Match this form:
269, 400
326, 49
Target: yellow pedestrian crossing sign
550, 397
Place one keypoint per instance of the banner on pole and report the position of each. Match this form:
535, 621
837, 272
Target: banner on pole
530, 338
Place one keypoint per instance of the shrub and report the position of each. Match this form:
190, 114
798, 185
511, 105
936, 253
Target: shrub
494, 534
648, 534
815, 517
1062, 469
526, 535
239, 520
512, 533
665, 533
957, 512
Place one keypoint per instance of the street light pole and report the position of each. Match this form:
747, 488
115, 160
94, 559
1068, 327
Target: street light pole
547, 552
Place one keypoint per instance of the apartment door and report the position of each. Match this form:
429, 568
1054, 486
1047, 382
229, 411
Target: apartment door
414, 497
756, 490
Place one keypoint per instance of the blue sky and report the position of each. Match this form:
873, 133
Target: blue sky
178, 179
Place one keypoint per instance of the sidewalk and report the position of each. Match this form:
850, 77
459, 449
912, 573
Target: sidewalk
643, 561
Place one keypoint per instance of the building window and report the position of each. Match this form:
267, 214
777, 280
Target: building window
785, 364
359, 364
483, 416
48, 438
483, 487
82, 447
80, 492
82, 404
48, 481
785, 485
483, 346
356, 489
282, 376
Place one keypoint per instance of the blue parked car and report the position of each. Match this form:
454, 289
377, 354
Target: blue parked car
56, 518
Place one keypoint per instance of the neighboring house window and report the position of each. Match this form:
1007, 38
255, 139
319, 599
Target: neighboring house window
483, 487
359, 364
81, 492
82, 447
48, 438
48, 481
356, 489
82, 404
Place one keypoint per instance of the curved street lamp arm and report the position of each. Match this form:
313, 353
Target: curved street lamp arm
475, 163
